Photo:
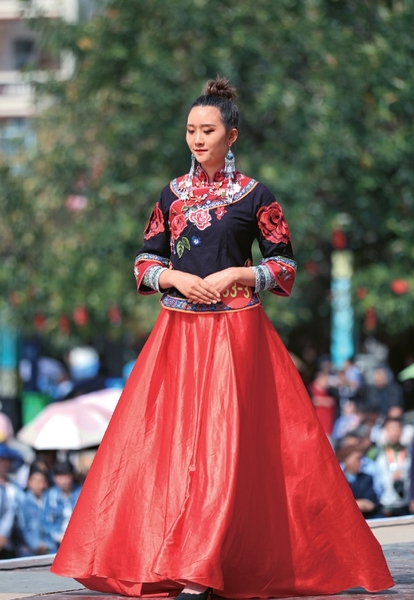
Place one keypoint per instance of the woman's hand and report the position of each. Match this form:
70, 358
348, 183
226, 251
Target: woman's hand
196, 289
223, 280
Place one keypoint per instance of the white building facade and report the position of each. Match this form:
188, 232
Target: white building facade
18, 51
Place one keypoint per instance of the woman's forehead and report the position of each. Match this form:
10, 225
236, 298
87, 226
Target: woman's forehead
204, 115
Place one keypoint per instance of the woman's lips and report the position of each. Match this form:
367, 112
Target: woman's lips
200, 151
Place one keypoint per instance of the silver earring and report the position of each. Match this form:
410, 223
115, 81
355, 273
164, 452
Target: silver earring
230, 169
191, 173
229, 164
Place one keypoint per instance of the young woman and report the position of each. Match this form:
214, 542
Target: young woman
215, 473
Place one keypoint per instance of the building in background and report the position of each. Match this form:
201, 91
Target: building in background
22, 61
20, 50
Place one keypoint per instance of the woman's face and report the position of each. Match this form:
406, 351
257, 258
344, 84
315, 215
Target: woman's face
207, 137
37, 483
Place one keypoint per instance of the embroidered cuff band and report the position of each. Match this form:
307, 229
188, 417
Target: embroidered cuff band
263, 278
152, 277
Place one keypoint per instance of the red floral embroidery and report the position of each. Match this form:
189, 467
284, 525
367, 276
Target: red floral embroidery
177, 226
273, 224
201, 218
155, 223
201, 175
220, 212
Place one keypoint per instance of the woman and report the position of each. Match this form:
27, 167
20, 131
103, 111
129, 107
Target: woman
31, 510
214, 471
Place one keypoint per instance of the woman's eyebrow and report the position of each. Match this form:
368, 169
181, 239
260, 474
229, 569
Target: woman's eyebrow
205, 125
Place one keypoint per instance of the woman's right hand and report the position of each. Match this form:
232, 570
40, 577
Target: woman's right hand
194, 288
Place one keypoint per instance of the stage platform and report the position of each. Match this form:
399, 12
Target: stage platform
30, 578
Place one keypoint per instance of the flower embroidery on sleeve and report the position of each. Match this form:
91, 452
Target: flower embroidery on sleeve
201, 218
155, 223
220, 212
273, 224
177, 226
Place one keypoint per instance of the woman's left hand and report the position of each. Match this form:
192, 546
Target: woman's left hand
223, 280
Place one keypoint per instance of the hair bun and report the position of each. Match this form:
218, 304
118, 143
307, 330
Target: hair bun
220, 87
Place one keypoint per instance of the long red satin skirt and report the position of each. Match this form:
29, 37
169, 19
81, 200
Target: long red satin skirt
215, 469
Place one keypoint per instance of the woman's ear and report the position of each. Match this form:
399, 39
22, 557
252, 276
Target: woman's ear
233, 135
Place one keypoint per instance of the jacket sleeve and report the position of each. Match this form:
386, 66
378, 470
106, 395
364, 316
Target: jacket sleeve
277, 269
155, 253
7, 514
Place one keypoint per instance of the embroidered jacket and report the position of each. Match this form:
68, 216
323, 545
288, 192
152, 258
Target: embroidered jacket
196, 229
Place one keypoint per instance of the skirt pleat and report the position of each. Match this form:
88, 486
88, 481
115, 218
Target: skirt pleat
215, 469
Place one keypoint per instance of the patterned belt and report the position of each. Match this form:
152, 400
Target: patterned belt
238, 297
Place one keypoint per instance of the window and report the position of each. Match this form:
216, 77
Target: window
16, 134
24, 53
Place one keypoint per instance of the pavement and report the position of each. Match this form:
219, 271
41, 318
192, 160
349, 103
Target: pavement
30, 577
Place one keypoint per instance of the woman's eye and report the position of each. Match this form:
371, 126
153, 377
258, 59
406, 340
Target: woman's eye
209, 131
190, 131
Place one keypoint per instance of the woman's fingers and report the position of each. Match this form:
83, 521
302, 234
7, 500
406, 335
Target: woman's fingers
203, 292
195, 288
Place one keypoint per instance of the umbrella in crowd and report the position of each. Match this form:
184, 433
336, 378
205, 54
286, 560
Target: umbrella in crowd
72, 424
407, 373
6, 427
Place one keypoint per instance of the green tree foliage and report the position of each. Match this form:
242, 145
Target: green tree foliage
325, 91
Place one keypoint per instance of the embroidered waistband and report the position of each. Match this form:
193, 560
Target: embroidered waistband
184, 305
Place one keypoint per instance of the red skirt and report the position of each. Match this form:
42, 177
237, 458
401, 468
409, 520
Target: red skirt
215, 469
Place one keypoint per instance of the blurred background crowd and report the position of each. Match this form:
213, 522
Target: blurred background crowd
42, 467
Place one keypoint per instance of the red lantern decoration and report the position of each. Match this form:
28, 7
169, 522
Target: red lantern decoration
370, 319
64, 324
338, 239
39, 321
114, 315
361, 293
80, 316
311, 267
399, 286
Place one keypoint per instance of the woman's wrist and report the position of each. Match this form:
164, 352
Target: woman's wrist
243, 275
166, 279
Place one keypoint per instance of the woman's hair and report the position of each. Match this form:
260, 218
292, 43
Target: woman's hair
219, 93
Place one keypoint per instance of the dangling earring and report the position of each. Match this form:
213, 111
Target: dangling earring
191, 173
229, 164
230, 169
189, 180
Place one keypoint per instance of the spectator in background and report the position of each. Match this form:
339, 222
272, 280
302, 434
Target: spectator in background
359, 440
10, 496
44, 460
60, 501
30, 515
384, 392
361, 484
6, 524
324, 399
353, 376
349, 420
393, 467
379, 432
